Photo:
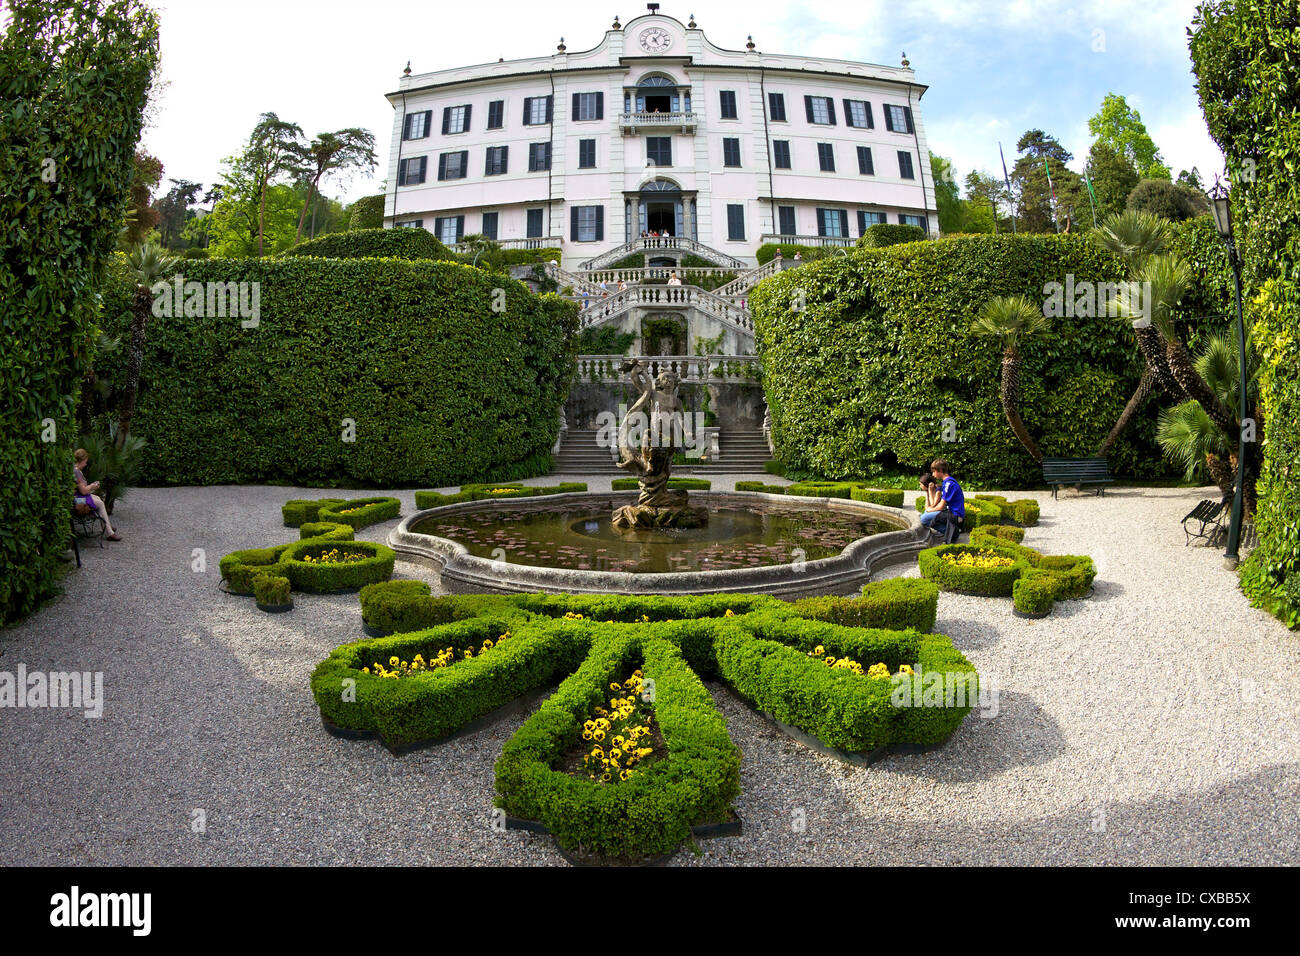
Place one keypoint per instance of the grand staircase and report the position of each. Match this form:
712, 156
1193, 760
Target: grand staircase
675, 246
742, 451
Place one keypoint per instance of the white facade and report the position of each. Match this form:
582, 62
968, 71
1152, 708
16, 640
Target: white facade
665, 94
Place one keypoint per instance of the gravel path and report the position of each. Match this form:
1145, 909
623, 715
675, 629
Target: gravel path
1154, 723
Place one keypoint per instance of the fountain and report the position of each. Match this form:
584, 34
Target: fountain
655, 540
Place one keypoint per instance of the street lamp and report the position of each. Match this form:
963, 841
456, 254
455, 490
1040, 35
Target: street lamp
1221, 204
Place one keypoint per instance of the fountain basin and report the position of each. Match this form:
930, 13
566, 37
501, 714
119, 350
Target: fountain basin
760, 526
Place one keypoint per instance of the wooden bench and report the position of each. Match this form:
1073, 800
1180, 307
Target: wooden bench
1209, 514
1077, 472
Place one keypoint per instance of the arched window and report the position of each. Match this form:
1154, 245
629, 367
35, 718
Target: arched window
656, 93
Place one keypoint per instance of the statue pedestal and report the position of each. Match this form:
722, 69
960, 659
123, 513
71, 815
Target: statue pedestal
669, 509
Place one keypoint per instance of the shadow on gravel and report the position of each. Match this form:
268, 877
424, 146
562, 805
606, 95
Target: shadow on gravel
968, 634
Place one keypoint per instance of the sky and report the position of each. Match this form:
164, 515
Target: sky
995, 68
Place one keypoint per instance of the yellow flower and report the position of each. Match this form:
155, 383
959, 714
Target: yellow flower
730, 613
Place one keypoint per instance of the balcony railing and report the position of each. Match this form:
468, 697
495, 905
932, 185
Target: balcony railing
809, 240
680, 122
690, 369
537, 242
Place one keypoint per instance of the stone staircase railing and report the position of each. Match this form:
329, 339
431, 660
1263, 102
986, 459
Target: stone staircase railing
747, 280
653, 244
606, 309
690, 369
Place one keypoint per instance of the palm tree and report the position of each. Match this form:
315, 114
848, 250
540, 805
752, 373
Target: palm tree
1011, 319
148, 263
1186, 433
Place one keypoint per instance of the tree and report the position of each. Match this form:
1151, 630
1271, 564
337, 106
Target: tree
1035, 209
141, 217
1011, 319
1168, 200
1191, 179
173, 211
367, 213
1120, 126
148, 265
1113, 178
947, 197
336, 152
984, 195
232, 227
275, 149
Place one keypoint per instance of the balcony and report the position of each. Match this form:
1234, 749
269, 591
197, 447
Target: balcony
635, 123
542, 242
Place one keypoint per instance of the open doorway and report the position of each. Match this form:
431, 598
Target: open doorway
658, 103
661, 217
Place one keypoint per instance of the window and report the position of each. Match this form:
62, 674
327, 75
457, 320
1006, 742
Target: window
449, 229
588, 106
826, 157
416, 125
659, 150
534, 230
898, 119
453, 165
539, 156
820, 109
735, 222
496, 114
785, 220
776, 106
496, 160
865, 165
833, 222
455, 119
781, 153
411, 171
731, 151
586, 154
537, 110
922, 221
490, 224
728, 104
868, 219
411, 224
587, 223
857, 113
905, 165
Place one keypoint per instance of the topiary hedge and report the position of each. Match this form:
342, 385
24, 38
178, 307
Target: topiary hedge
357, 513
480, 491
372, 244
685, 484
1066, 577
765, 648
993, 510
768, 250
889, 234
74, 80
379, 372
367, 213
869, 362
1246, 57
890, 497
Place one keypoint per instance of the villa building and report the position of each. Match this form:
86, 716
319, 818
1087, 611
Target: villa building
656, 129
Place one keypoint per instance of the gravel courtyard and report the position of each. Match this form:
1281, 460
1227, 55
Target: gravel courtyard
1154, 723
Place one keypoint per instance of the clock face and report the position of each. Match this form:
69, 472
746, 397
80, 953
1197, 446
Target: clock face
656, 40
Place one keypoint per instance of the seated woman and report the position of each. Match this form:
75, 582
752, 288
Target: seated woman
85, 500
933, 497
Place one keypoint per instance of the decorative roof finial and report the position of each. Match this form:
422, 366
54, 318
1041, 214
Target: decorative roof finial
617, 25
749, 43
560, 46
906, 63
407, 71
692, 23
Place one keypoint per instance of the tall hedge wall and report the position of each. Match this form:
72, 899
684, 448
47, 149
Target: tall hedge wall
73, 86
1246, 56
863, 377
442, 389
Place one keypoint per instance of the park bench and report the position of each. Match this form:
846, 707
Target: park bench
1078, 472
1209, 516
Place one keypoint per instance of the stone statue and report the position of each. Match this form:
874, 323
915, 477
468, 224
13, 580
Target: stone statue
659, 410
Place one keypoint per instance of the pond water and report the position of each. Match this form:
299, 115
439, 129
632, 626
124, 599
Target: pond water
584, 539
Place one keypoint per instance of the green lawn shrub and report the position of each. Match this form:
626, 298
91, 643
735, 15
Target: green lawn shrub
271, 590
480, 491
684, 484
1034, 595
373, 244
896, 604
296, 561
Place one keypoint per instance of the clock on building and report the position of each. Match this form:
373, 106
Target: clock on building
656, 40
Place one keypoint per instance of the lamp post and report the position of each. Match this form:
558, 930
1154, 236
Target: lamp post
1222, 207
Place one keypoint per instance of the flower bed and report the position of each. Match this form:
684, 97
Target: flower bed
993, 564
762, 647
357, 513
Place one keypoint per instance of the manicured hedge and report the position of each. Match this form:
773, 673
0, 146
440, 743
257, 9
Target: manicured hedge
1066, 577
480, 491
240, 570
760, 487
890, 497
684, 484
1246, 57
897, 604
299, 511
380, 372
271, 589
993, 510
951, 577
768, 250
373, 244
889, 234
74, 80
1034, 596
868, 359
